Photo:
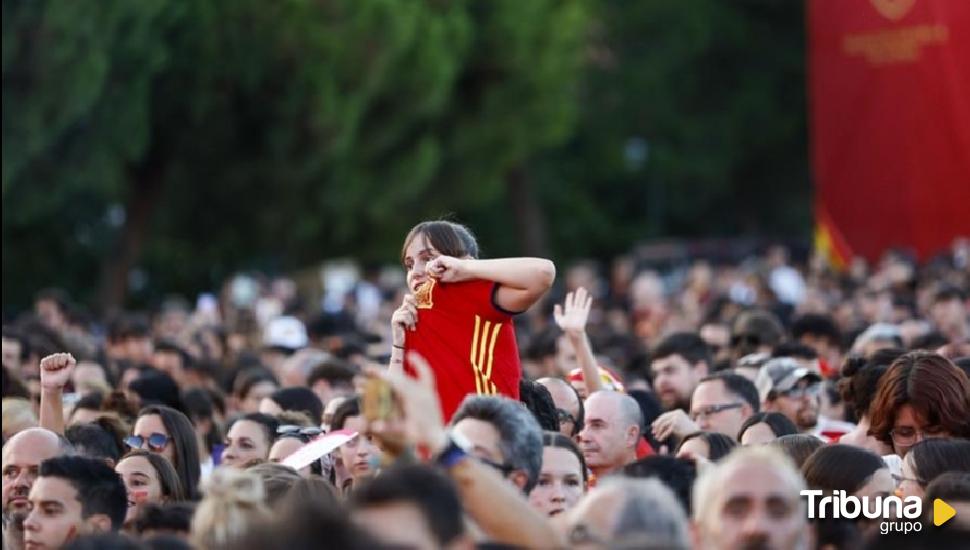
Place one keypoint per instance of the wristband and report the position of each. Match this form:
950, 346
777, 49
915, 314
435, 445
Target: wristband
453, 453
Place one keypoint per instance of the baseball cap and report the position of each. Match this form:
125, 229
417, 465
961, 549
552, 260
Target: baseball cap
782, 374
285, 332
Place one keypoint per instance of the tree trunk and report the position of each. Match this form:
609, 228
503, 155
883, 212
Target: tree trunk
530, 223
144, 192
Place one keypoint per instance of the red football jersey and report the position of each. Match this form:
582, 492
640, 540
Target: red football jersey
468, 341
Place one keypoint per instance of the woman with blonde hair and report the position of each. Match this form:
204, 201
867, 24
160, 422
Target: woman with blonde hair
18, 415
233, 506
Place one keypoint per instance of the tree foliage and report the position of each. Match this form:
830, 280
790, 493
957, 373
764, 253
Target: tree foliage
187, 140
268, 134
692, 124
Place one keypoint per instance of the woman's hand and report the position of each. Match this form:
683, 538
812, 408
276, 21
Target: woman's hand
448, 269
404, 318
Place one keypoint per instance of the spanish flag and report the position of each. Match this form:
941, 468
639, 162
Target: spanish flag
829, 242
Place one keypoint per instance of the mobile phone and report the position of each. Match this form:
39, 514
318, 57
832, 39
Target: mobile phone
378, 400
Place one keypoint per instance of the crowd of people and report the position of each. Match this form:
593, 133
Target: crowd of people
498, 403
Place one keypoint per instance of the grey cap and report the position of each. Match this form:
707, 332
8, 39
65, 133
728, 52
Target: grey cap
781, 374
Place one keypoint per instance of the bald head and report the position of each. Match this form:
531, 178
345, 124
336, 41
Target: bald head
562, 392
633, 510
612, 431
22, 456
626, 407
41, 440
762, 487
565, 398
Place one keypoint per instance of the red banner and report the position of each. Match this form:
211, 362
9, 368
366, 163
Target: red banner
889, 94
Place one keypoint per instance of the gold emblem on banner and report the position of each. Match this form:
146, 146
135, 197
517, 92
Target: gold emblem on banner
423, 294
894, 10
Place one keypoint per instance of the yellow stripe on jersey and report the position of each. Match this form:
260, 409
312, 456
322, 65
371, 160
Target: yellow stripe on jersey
474, 362
482, 346
491, 350
483, 355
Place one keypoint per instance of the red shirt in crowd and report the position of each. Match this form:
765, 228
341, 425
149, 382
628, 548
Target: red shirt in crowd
468, 341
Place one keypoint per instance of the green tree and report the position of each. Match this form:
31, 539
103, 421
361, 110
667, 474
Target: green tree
692, 124
76, 85
268, 134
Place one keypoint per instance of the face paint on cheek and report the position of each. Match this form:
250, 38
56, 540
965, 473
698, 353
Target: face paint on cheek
139, 497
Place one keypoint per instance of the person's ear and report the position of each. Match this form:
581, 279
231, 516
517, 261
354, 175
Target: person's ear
632, 435
98, 523
701, 369
519, 478
746, 410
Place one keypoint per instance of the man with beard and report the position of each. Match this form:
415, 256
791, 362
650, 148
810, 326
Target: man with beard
721, 403
751, 500
610, 433
22, 456
680, 361
787, 387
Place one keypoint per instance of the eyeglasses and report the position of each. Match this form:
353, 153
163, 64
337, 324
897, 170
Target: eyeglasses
564, 416
811, 390
156, 442
711, 410
506, 469
900, 479
909, 436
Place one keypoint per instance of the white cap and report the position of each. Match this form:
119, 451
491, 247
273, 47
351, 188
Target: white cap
285, 332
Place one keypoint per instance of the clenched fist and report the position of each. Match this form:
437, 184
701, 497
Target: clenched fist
56, 369
447, 269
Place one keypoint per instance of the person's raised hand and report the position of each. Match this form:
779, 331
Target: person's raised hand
447, 269
55, 370
421, 422
572, 315
675, 422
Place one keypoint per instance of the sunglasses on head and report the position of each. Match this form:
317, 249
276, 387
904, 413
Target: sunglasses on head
301, 432
156, 442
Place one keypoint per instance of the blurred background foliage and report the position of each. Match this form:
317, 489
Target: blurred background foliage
182, 141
